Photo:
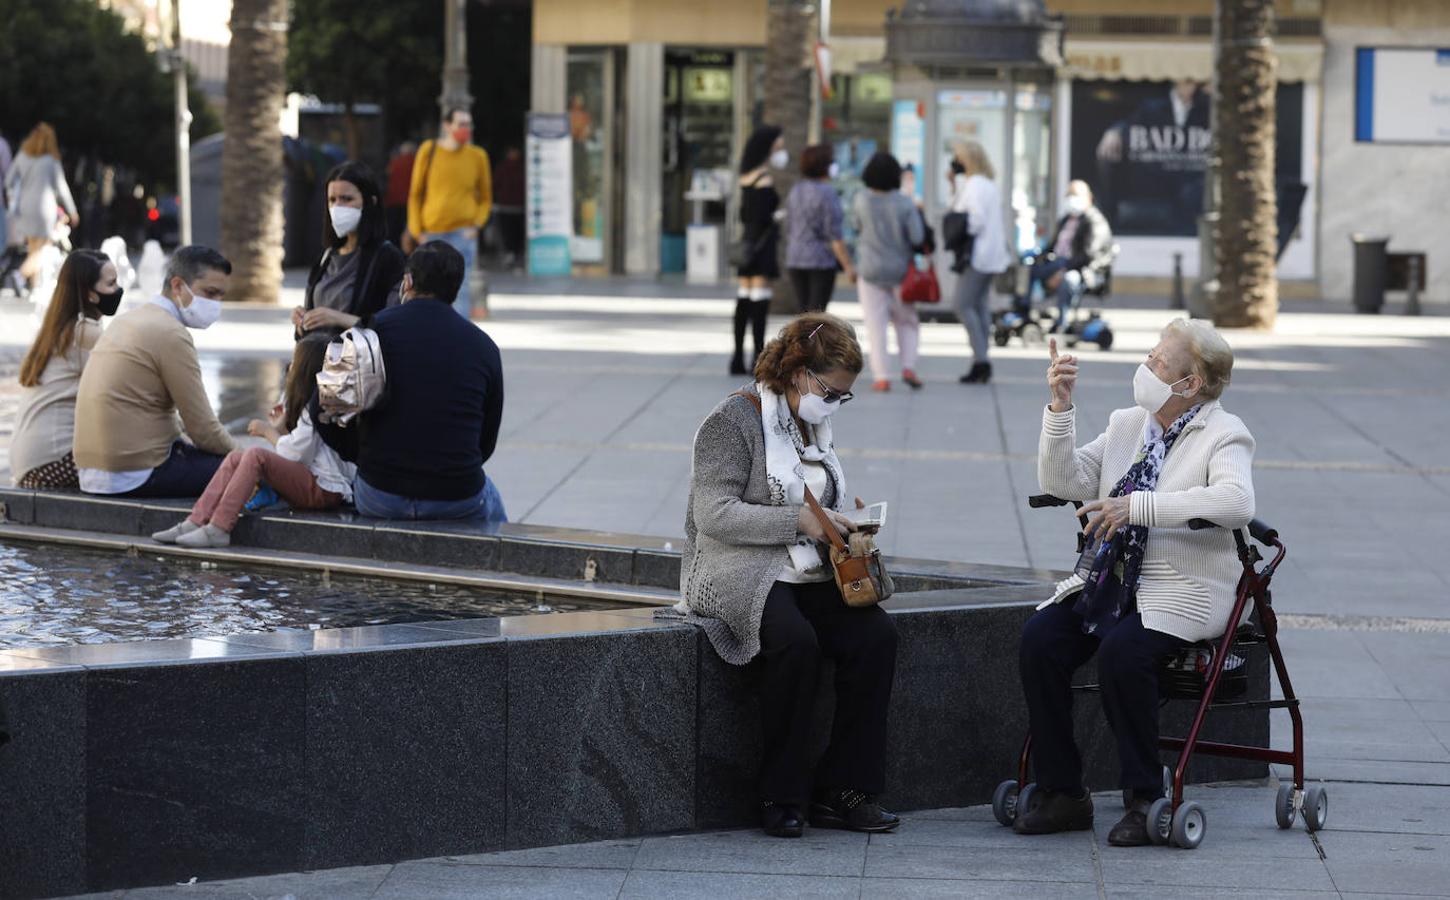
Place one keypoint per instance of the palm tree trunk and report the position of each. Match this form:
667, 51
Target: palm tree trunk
788, 100
1248, 292
252, 173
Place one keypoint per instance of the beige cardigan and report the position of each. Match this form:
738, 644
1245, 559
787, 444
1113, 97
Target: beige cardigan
1189, 578
142, 372
45, 420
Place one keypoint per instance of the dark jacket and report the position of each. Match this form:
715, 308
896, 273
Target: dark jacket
381, 268
438, 424
1092, 245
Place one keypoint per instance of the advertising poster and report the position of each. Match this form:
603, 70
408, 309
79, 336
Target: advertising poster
1402, 95
549, 210
1143, 147
908, 142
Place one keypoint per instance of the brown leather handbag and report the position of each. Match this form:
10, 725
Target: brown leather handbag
860, 574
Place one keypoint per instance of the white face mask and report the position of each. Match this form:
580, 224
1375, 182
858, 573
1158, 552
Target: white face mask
813, 408
1075, 204
1150, 391
344, 219
834, 171
780, 159
202, 313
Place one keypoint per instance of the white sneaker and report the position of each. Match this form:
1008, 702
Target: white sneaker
169, 536
205, 536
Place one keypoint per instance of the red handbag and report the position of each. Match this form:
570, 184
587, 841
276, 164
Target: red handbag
920, 285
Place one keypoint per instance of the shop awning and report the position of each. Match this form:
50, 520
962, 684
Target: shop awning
1128, 60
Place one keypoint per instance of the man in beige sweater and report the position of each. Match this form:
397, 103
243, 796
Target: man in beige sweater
142, 372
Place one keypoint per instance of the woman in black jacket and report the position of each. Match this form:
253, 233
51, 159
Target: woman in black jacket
359, 272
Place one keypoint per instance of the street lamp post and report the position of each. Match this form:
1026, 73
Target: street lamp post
455, 58
183, 125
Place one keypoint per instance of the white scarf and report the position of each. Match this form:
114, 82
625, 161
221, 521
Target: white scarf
785, 449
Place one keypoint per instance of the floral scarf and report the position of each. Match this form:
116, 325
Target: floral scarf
1112, 583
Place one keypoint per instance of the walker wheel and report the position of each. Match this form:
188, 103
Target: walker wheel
1004, 802
1189, 824
1284, 812
1029, 798
1160, 820
1316, 807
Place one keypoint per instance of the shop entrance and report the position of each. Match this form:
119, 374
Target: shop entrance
699, 126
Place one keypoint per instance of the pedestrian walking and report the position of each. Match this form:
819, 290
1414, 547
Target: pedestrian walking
760, 215
400, 181
451, 197
41, 450
754, 576
890, 230
36, 186
816, 250
302, 469
359, 272
508, 209
976, 194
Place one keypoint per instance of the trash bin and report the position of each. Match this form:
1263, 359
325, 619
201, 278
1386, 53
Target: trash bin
1369, 272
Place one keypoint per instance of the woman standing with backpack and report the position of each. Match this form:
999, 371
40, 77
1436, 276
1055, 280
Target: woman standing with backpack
890, 230
359, 272
760, 214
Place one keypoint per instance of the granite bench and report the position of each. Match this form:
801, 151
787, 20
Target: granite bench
146, 763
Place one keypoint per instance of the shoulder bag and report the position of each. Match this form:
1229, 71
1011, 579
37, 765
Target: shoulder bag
860, 574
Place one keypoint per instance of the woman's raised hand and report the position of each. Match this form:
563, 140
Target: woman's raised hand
1061, 378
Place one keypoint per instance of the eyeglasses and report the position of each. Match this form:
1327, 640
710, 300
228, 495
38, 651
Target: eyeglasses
831, 395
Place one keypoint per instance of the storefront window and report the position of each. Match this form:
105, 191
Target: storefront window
1031, 172
588, 130
970, 115
699, 132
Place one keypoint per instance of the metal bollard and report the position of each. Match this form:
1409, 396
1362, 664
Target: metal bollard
1177, 301
1412, 296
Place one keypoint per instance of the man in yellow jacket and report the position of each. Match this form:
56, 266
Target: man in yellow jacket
452, 195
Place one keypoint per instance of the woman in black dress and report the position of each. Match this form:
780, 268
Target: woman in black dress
759, 213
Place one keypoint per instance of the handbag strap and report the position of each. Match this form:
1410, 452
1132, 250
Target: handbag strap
427, 170
832, 534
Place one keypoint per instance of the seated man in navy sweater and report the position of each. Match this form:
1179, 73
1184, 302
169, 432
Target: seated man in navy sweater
420, 453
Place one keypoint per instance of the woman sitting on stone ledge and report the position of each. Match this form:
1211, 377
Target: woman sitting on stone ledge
1150, 585
755, 575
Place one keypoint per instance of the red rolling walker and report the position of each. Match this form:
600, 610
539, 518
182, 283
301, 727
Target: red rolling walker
1198, 673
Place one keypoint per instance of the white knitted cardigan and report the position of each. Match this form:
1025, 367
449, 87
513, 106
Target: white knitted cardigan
1189, 578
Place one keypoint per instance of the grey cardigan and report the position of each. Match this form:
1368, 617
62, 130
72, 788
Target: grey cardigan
889, 227
735, 538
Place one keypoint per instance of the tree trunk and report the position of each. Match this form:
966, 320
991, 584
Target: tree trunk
788, 101
1247, 238
252, 172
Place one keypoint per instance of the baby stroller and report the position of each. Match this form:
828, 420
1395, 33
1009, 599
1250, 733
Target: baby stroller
1210, 673
1031, 322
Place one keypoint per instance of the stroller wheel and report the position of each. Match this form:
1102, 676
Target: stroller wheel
1189, 825
1004, 802
1284, 805
1316, 807
1160, 821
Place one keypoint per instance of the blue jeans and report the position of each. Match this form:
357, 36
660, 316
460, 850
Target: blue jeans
486, 505
185, 473
468, 246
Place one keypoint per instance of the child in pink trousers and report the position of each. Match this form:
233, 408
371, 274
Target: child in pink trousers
303, 470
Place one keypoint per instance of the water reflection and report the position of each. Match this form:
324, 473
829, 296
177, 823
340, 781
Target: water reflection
53, 595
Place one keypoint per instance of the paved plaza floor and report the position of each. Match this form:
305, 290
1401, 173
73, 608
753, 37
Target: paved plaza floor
1352, 418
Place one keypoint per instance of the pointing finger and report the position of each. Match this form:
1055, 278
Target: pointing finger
1052, 349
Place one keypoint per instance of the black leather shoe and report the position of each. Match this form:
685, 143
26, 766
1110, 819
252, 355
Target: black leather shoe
1056, 811
852, 811
737, 365
980, 373
782, 820
1132, 829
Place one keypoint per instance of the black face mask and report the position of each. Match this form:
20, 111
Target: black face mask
108, 303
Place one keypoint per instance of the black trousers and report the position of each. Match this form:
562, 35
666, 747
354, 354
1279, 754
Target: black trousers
812, 288
802, 624
1053, 647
